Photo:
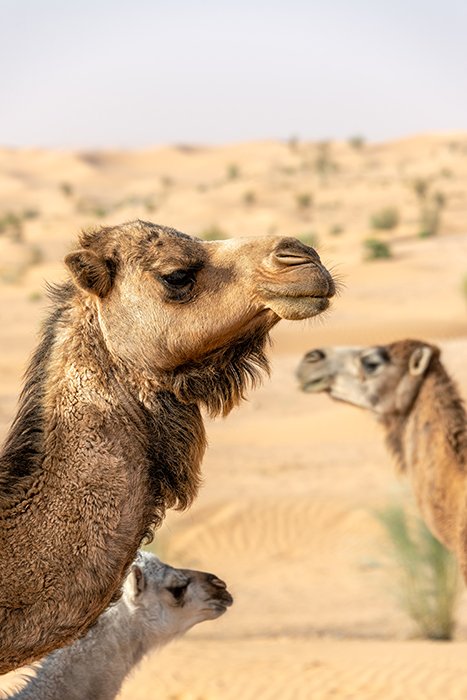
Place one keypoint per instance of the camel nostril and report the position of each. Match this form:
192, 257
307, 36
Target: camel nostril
292, 252
217, 582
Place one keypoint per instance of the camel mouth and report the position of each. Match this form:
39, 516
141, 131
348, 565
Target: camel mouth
219, 605
297, 308
313, 386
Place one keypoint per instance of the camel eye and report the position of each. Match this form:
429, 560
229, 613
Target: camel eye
371, 363
178, 591
315, 356
369, 366
179, 279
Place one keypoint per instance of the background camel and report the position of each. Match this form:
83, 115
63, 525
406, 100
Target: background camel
153, 326
406, 386
158, 604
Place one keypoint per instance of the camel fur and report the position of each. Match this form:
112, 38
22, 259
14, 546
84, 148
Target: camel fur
408, 389
151, 327
158, 604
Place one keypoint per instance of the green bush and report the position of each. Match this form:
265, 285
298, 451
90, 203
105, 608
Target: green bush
324, 163
385, 219
66, 188
356, 142
464, 286
304, 200
427, 580
308, 238
430, 215
249, 198
336, 230
12, 225
376, 249
212, 233
233, 171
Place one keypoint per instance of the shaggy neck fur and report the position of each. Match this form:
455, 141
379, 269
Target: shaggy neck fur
93, 459
439, 401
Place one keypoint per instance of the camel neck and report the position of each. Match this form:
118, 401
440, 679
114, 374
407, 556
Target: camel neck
94, 666
59, 373
436, 414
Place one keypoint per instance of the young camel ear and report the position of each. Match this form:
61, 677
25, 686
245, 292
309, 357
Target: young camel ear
136, 581
91, 272
419, 360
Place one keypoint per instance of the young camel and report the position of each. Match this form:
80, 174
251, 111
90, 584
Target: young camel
153, 326
158, 604
407, 388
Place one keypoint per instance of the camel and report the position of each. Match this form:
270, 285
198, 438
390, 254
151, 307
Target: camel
152, 326
407, 388
159, 603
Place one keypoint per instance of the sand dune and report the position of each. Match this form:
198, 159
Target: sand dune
286, 512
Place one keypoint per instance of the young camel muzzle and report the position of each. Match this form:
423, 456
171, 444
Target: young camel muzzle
153, 326
407, 388
158, 604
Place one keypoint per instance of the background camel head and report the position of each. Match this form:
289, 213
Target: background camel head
165, 298
382, 378
170, 601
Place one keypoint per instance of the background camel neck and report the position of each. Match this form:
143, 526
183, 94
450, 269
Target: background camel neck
430, 444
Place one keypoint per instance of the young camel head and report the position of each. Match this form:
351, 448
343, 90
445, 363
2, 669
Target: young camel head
167, 301
383, 378
166, 602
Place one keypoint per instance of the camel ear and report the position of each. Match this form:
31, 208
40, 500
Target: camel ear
91, 272
137, 581
419, 360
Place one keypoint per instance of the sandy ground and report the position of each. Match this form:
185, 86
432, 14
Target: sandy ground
286, 513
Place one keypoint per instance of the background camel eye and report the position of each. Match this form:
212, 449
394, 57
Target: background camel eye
179, 278
370, 364
178, 591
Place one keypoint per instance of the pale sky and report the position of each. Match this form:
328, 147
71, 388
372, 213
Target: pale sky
121, 73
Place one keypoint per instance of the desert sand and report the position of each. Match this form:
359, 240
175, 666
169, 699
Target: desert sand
291, 481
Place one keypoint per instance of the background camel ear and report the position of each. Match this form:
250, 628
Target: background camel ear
137, 581
91, 272
419, 360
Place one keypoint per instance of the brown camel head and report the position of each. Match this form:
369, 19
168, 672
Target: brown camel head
168, 303
383, 378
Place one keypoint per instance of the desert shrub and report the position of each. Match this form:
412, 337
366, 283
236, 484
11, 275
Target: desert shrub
430, 205
427, 574
167, 182
464, 286
308, 238
233, 171
249, 198
30, 213
420, 187
336, 230
304, 200
430, 215
149, 205
324, 163
212, 233
12, 225
66, 189
385, 219
293, 143
376, 249
356, 142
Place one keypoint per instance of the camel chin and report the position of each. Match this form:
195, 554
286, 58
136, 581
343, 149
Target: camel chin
298, 308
